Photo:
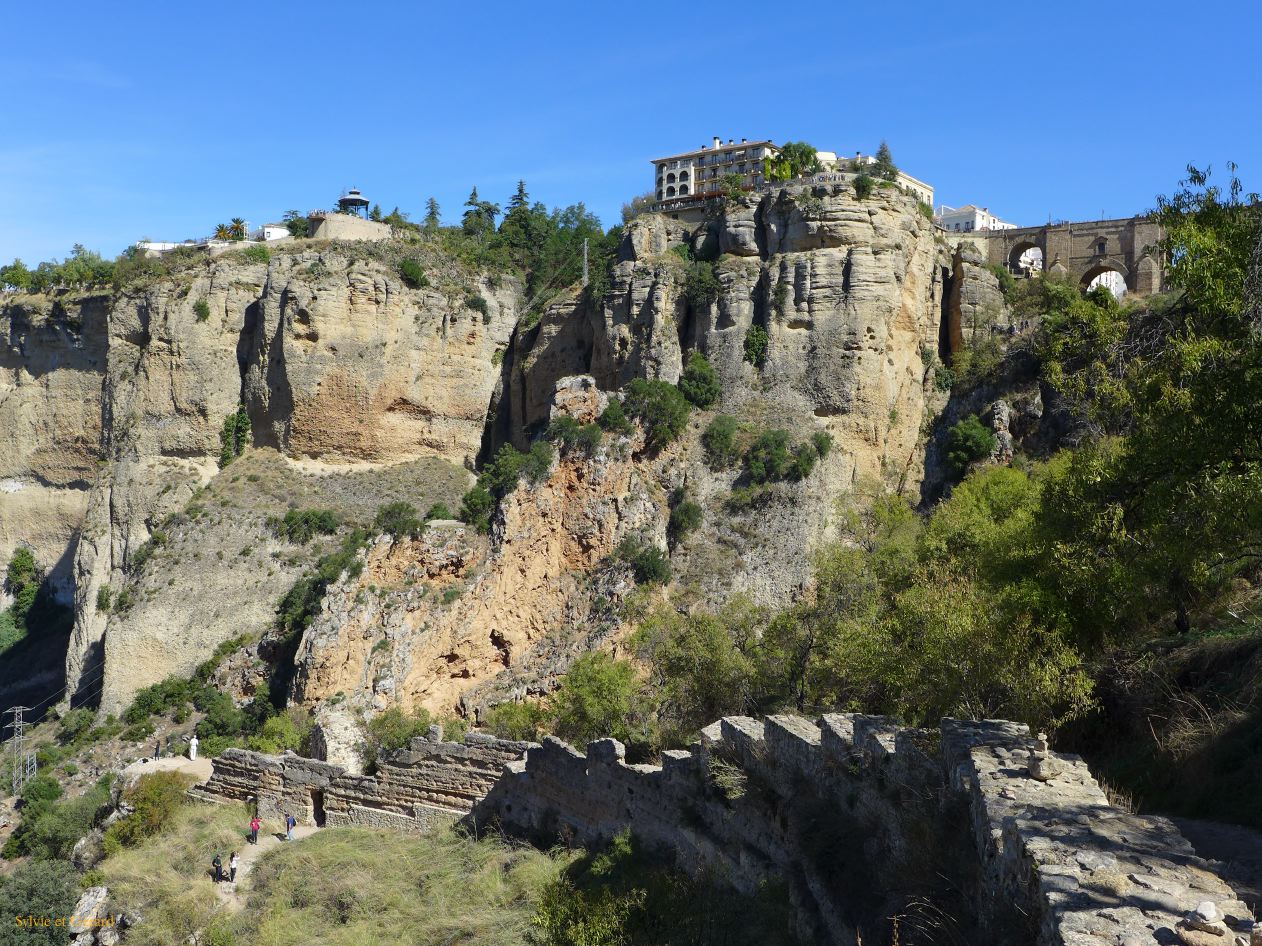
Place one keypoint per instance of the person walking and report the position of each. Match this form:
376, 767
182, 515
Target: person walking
157, 749
217, 864
290, 824
192, 748
233, 862
255, 824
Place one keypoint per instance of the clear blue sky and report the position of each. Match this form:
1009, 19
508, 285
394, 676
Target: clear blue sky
132, 120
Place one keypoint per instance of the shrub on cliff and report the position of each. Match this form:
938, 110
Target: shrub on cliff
685, 517
863, 186
398, 520
967, 441
569, 434
756, 340
500, 477
154, 799
700, 382
522, 720
650, 564
614, 418
413, 274
660, 407
234, 436
719, 440
300, 526
43, 889
701, 284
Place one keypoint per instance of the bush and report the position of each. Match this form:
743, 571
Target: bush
302, 525
571, 435
413, 275
823, 443
756, 340
649, 563
515, 720
769, 457
701, 284
614, 418
967, 441
719, 440
438, 511
700, 382
863, 186
52, 825
257, 253
394, 729
598, 697
159, 698
74, 725
804, 457
154, 798
660, 407
476, 508
290, 730
298, 608
478, 304
398, 520
684, 518
42, 888
234, 436
201, 310
103, 595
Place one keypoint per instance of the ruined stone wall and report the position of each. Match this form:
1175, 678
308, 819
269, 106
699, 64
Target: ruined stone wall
865, 820
431, 783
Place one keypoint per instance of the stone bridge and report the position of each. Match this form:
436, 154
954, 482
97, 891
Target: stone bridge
1083, 250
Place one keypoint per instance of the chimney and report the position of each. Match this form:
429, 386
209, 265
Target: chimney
717, 142
742, 141
730, 141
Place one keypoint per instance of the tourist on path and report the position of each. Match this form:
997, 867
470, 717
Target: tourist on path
157, 749
290, 824
255, 824
217, 864
192, 748
233, 861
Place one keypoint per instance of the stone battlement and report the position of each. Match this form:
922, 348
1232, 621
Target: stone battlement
973, 829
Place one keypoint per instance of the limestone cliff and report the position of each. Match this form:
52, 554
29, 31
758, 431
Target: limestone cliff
361, 390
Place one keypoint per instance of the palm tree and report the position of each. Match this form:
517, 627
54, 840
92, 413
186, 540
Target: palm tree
223, 232
238, 228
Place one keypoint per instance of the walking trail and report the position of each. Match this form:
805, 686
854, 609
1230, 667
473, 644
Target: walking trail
233, 895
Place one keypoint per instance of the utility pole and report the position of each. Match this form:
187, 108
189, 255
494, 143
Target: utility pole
23, 764
584, 262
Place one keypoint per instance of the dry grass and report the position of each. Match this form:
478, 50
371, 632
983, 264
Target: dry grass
340, 887
167, 879
352, 887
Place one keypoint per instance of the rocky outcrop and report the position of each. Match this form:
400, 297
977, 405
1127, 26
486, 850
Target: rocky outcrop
431, 620
53, 353
340, 366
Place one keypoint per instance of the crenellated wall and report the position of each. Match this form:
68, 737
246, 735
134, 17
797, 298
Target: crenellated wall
971, 833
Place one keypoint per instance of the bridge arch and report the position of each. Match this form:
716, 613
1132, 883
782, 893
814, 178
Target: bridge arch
1103, 268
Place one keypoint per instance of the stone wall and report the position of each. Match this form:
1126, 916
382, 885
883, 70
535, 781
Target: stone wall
415, 789
961, 829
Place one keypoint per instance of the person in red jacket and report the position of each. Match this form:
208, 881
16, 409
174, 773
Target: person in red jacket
255, 824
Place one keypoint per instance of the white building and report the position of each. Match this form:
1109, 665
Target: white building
686, 179
968, 218
268, 233
271, 232
697, 174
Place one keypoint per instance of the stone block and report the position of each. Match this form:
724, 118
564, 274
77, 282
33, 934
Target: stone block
605, 752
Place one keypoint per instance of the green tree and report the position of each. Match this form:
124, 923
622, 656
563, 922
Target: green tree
236, 229
863, 186
756, 341
234, 436
41, 888
22, 581
769, 457
599, 697
801, 157
700, 382
885, 168
660, 407
701, 284
719, 440
375, 213
433, 218
967, 441
15, 276
397, 520
479, 219
298, 224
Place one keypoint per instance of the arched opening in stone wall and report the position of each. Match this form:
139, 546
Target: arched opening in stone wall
1026, 259
1108, 276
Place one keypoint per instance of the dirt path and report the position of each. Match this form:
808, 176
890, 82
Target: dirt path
199, 769
233, 895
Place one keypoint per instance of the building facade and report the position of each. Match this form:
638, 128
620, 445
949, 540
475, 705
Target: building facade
682, 178
969, 218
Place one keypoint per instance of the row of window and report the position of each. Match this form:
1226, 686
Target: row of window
671, 192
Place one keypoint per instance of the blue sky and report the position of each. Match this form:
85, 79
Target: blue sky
126, 121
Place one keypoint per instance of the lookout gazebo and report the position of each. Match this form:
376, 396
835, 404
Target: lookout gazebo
353, 202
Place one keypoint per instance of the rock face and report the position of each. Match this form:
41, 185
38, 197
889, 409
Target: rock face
341, 368
52, 358
430, 620
850, 294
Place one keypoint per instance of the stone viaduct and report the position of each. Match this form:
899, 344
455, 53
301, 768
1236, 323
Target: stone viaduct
1083, 250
